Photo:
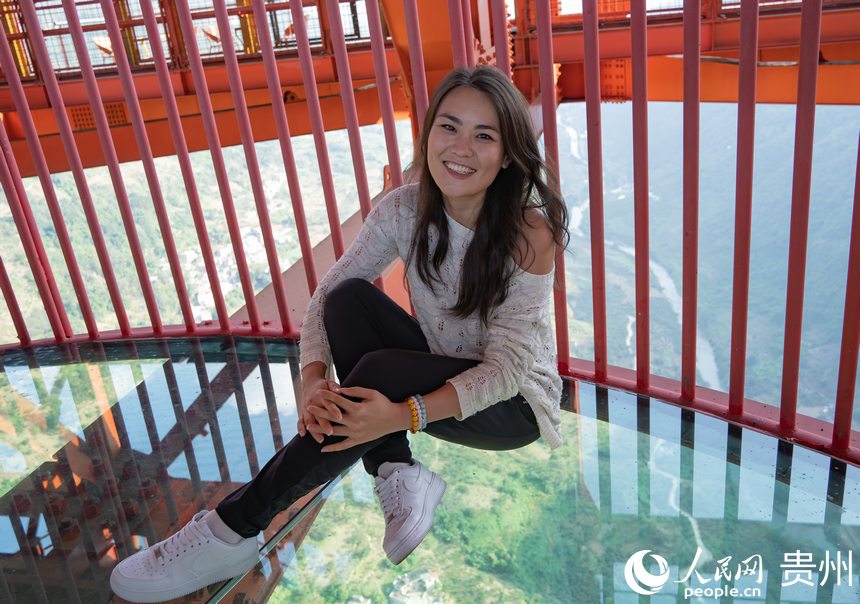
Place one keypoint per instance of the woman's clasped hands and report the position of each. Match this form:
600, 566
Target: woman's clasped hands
327, 412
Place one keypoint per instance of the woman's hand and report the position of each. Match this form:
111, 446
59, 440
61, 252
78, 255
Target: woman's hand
312, 399
360, 422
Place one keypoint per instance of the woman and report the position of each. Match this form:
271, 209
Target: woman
478, 234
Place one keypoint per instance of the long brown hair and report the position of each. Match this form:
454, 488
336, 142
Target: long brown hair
500, 228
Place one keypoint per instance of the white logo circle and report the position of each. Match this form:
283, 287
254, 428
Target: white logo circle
640, 579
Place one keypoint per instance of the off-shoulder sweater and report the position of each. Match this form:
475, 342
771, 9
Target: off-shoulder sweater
516, 347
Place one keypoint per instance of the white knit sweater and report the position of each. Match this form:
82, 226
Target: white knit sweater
517, 347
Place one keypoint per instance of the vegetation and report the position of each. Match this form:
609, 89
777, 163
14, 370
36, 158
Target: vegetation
522, 526
33, 423
505, 532
834, 163
832, 189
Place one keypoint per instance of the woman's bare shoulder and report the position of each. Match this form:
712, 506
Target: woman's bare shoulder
538, 257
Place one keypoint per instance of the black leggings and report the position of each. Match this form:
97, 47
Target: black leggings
374, 344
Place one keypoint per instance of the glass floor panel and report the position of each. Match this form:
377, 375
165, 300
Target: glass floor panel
106, 448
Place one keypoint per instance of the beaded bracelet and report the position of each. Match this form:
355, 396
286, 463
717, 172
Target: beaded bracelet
413, 408
422, 411
419, 412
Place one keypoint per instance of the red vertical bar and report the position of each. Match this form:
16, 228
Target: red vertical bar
27, 242
283, 128
211, 131
501, 40
344, 76
458, 34
184, 160
469, 32
37, 43
12, 305
317, 126
103, 129
17, 185
145, 151
175, 48
692, 51
810, 33
639, 49
416, 56
550, 138
237, 91
743, 203
31, 137
383, 87
850, 331
595, 184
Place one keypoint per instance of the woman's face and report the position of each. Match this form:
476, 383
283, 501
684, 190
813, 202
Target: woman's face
464, 146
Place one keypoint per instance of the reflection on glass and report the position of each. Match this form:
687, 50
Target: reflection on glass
709, 471
622, 451
665, 464
713, 505
106, 449
808, 487
758, 469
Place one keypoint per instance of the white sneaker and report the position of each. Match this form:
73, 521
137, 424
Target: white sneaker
409, 495
189, 560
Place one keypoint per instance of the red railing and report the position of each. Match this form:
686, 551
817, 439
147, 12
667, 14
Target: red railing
836, 439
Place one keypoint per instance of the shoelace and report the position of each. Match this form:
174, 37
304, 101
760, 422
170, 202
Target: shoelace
189, 536
389, 495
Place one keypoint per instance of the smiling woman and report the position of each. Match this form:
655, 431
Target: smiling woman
476, 366
465, 152
477, 120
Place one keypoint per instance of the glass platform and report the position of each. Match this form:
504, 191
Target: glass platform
106, 448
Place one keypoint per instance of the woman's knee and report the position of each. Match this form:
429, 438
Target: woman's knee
374, 370
344, 293
347, 290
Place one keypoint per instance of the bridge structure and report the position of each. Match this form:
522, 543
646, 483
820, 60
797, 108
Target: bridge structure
99, 83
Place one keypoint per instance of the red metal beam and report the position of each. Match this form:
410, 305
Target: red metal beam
214, 144
416, 60
386, 105
74, 157
184, 160
33, 151
16, 196
595, 187
254, 175
193, 118
799, 231
285, 140
845, 384
641, 197
743, 204
807, 431
458, 43
501, 36
253, 76
717, 36
109, 151
550, 137
317, 127
468, 31
350, 114
12, 305
689, 303
32, 245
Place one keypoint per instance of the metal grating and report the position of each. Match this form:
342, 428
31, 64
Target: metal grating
81, 116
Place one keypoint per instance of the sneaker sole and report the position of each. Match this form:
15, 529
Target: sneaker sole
179, 591
408, 544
